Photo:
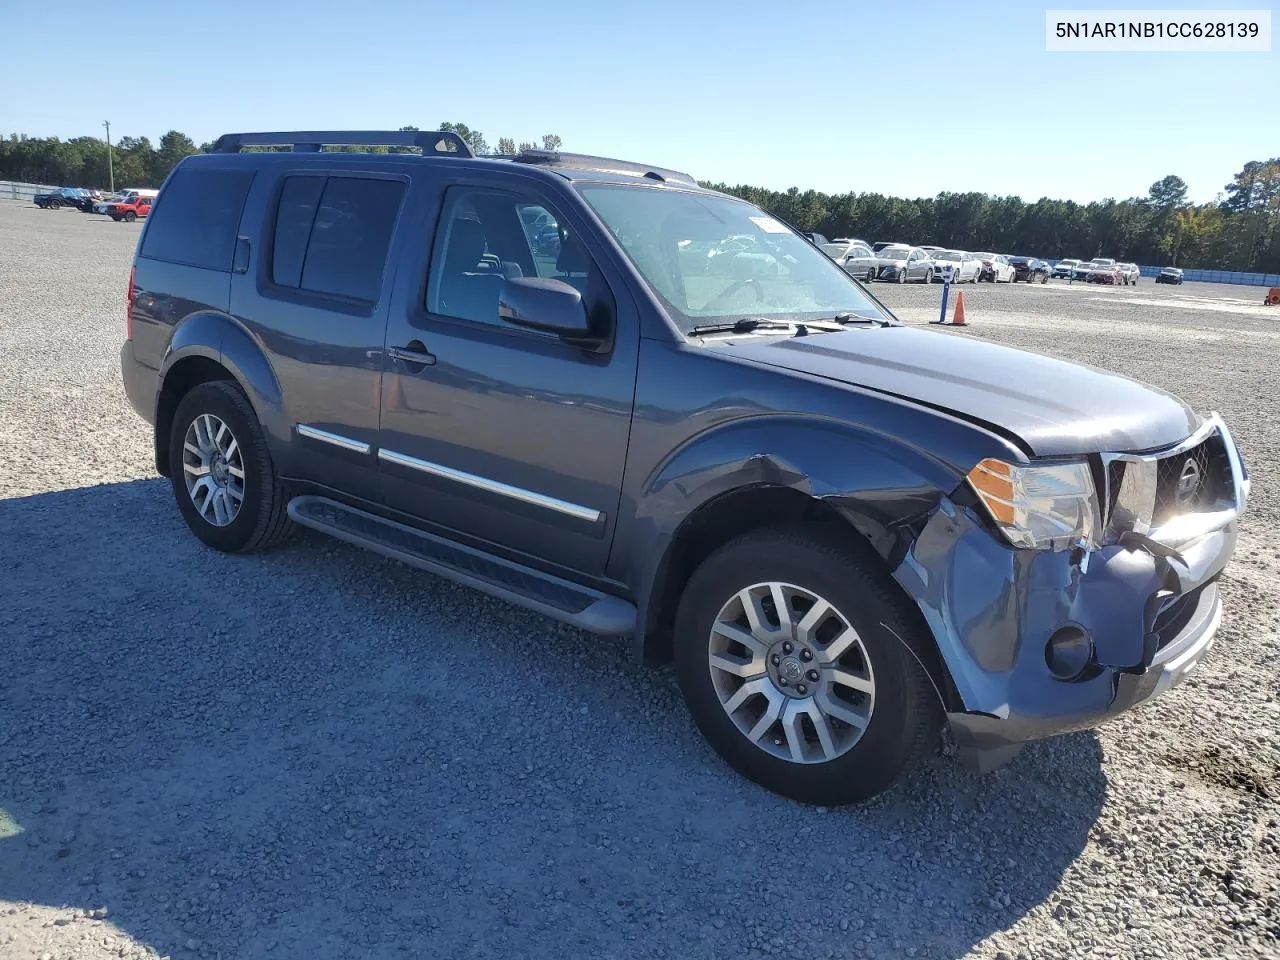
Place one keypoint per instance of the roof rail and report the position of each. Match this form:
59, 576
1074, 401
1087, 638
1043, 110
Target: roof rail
582, 161
310, 141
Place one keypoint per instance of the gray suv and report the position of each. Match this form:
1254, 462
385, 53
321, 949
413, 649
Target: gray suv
599, 391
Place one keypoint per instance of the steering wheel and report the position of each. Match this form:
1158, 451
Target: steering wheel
733, 288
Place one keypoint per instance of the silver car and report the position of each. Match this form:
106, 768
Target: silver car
854, 256
905, 264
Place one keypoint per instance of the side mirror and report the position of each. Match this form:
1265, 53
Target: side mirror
542, 304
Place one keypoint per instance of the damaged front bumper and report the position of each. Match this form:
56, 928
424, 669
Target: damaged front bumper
1150, 609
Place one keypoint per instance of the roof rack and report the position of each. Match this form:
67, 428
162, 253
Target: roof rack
553, 158
310, 141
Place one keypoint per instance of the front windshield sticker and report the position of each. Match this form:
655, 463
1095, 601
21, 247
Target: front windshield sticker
769, 225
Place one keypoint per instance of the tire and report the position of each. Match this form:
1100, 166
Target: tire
130, 216
902, 710
902, 275
871, 274
928, 277
261, 519
54, 204
1044, 278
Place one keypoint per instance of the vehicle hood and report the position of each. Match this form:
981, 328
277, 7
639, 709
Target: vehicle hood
1053, 407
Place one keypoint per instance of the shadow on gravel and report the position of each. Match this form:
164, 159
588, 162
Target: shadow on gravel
316, 753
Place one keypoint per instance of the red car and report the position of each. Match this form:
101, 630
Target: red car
129, 210
1112, 275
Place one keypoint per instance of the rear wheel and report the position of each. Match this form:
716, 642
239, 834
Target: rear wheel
55, 203
222, 474
787, 667
871, 274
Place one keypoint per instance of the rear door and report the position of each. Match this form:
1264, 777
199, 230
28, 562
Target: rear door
310, 288
508, 435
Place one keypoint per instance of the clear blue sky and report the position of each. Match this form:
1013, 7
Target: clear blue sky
903, 97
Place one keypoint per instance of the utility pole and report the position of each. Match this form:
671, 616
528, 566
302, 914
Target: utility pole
111, 173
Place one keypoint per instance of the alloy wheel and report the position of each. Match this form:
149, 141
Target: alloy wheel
213, 469
791, 672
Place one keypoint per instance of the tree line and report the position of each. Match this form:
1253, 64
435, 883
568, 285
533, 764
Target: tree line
137, 162
1239, 230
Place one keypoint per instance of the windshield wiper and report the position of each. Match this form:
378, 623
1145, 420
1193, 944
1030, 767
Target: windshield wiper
745, 325
859, 318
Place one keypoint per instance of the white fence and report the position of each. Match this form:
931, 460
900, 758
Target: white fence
22, 191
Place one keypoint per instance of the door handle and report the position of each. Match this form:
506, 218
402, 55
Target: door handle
414, 353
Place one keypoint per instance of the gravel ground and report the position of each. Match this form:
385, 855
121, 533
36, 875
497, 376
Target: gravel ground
316, 753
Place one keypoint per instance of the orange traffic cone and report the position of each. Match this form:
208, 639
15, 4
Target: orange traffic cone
957, 319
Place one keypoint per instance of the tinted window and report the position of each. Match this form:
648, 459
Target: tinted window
198, 219
333, 234
298, 201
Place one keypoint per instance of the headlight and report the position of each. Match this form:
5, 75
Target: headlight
1040, 507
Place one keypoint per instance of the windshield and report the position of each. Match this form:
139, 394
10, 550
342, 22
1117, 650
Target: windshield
948, 255
713, 258
894, 253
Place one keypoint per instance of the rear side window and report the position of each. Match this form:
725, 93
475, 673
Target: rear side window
332, 234
197, 220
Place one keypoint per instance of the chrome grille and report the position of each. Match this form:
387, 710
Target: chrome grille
1179, 490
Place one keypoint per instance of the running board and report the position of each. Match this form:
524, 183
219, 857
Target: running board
552, 596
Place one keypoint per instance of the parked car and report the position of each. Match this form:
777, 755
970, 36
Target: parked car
964, 267
881, 244
816, 239
1029, 269
1101, 273
1169, 275
995, 268
928, 248
855, 258
131, 195
1131, 272
130, 208
1064, 268
62, 197
904, 265
843, 530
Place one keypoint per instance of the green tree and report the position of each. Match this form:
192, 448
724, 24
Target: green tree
506, 146
1168, 192
551, 141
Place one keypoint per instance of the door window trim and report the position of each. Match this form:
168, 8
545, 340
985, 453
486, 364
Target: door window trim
335, 303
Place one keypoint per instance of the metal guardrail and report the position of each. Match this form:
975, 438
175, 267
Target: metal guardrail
10, 190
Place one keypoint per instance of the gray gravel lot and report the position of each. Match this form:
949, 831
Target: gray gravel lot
316, 753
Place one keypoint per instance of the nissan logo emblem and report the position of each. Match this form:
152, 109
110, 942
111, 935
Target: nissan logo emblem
1188, 483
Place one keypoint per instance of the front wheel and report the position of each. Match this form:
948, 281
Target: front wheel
54, 204
902, 276
130, 216
222, 474
787, 667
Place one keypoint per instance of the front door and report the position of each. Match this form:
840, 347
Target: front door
507, 435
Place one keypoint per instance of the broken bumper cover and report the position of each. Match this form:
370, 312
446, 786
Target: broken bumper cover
1150, 610
986, 733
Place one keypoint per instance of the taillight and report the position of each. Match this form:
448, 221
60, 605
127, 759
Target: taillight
128, 307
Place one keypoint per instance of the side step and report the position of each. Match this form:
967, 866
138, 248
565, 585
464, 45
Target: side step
560, 599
